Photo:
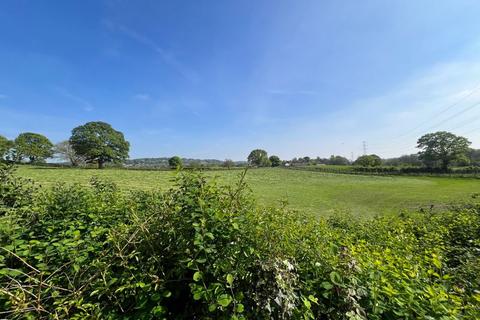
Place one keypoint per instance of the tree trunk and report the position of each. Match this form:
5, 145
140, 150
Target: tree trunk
73, 162
100, 164
445, 164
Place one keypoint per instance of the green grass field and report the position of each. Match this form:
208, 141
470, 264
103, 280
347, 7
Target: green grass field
315, 192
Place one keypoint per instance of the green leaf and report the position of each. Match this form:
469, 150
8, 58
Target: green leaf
240, 308
335, 277
230, 279
436, 262
167, 294
327, 285
210, 235
158, 310
10, 272
224, 300
197, 276
212, 307
313, 299
307, 303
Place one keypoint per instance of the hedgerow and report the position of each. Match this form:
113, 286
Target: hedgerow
470, 171
202, 250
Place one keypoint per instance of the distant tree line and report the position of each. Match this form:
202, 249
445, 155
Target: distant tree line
98, 143
438, 152
410, 160
163, 162
333, 160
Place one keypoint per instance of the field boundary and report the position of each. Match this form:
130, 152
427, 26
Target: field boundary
348, 171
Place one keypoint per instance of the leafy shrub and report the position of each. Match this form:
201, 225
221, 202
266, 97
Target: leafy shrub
200, 250
15, 193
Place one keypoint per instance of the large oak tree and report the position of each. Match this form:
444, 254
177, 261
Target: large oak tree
259, 158
442, 147
368, 160
5, 146
33, 146
99, 143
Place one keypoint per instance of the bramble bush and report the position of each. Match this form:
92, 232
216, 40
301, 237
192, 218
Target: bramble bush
201, 250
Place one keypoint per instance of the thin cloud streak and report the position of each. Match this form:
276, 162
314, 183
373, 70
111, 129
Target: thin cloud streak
293, 92
142, 96
168, 57
86, 105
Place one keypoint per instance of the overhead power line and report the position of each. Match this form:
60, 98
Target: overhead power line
447, 108
465, 123
473, 130
441, 112
455, 115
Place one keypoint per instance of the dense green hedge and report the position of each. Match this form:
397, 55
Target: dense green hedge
201, 250
392, 170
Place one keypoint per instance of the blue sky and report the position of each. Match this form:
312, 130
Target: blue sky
216, 79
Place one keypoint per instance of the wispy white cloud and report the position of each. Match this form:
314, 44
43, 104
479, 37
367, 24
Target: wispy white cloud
155, 131
168, 57
85, 104
178, 106
142, 96
293, 92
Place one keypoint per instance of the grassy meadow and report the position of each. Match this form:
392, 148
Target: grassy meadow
314, 192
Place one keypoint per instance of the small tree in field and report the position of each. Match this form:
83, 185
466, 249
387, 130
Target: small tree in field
64, 150
175, 162
259, 158
33, 146
228, 163
99, 142
442, 148
275, 161
371, 160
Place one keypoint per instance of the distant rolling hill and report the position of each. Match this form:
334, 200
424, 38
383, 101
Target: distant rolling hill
188, 162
